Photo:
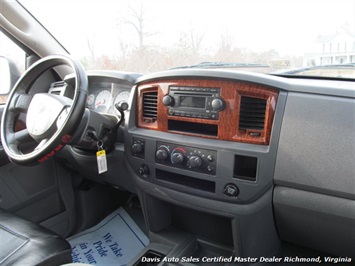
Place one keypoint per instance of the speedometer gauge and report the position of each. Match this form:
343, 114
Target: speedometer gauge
103, 101
121, 97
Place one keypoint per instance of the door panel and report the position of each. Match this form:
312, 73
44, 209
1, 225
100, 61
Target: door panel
3, 158
42, 193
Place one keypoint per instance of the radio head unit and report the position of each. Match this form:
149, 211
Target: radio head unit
196, 102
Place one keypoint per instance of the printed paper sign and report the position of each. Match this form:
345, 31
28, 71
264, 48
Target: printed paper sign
115, 240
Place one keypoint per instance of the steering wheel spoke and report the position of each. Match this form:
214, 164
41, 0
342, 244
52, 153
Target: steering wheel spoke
22, 136
22, 102
41, 144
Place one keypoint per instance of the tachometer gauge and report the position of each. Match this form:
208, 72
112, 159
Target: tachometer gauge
121, 97
103, 101
90, 99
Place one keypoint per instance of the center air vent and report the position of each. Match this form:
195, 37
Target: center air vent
150, 106
252, 113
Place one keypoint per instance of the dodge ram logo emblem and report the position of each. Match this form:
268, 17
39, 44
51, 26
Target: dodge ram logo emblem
42, 109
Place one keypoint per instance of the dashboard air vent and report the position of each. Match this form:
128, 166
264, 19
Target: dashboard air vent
252, 113
150, 106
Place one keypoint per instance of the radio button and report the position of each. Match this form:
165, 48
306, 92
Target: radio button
168, 100
218, 104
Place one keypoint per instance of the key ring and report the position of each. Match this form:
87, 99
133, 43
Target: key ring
100, 145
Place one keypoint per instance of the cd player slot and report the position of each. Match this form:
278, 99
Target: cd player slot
193, 128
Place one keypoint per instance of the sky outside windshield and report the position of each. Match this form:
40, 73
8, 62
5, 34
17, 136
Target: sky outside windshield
108, 34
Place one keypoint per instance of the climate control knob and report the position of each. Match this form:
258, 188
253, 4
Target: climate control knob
161, 154
195, 161
177, 158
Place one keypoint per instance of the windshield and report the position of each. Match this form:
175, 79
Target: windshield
147, 36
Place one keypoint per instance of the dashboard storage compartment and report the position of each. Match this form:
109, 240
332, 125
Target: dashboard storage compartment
190, 182
202, 252
245, 167
193, 128
164, 215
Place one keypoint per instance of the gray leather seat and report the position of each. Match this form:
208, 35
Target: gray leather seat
25, 243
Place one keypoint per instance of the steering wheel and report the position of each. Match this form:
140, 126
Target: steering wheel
51, 119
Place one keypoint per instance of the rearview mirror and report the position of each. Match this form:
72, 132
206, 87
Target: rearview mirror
9, 74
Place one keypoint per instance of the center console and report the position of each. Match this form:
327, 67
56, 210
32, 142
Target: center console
201, 150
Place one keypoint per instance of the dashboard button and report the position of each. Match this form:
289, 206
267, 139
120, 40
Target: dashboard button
231, 190
143, 170
168, 100
210, 158
218, 104
210, 169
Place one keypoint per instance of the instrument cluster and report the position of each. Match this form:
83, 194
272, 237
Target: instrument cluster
103, 96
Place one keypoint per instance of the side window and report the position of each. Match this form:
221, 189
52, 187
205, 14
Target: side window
14, 54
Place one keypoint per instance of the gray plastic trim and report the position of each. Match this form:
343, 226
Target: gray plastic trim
317, 148
316, 221
126, 78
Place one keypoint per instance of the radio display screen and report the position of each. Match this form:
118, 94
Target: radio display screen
193, 101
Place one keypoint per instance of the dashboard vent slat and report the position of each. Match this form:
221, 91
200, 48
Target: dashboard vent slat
252, 113
150, 106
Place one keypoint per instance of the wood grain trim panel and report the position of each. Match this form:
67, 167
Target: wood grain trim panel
228, 122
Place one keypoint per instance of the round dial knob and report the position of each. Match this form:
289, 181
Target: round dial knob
161, 154
143, 170
177, 158
137, 148
168, 100
218, 104
195, 161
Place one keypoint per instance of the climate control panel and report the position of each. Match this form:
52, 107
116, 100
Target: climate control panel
184, 157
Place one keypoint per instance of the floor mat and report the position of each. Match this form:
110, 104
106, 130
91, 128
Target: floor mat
116, 240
